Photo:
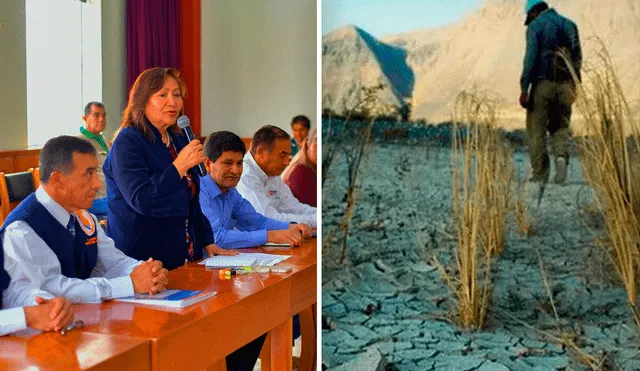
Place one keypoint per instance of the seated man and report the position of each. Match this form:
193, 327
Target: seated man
226, 209
54, 245
95, 121
261, 184
38, 312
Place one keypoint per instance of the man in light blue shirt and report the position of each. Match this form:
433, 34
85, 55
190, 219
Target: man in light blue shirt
235, 223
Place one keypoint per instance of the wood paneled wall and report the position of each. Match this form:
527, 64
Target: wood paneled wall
14, 161
18, 160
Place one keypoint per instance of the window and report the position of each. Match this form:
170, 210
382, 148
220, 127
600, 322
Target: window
64, 65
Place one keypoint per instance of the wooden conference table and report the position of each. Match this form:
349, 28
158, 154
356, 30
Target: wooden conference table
30, 350
200, 336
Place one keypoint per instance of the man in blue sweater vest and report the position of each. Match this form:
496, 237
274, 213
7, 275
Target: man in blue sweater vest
34, 311
55, 245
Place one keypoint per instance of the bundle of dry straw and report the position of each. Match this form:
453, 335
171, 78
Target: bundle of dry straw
482, 174
611, 163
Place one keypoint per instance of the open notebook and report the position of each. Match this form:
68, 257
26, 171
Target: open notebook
219, 261
243, 260
171, 298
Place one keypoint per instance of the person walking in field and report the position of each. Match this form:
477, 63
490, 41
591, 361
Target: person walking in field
547, 86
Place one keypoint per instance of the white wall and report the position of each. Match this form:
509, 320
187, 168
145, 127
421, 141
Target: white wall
258, 64
62, 75
262, 72
13, 76
13, 80
114, 62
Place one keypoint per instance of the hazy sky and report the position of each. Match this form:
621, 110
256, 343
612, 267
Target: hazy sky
388, 17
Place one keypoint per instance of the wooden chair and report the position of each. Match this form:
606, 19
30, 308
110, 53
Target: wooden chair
8, 197
35, 173
14, 188
4, 199
247, 143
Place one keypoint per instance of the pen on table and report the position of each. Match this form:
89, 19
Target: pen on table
71, 326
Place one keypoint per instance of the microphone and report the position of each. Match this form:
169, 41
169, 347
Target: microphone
185, 125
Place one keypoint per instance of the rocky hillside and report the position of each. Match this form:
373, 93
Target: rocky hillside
483, 50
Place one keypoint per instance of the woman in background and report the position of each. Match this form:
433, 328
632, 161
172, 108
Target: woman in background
300, 125
301, 176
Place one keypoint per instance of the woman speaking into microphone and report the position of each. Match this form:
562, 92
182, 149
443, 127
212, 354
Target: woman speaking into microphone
152, 177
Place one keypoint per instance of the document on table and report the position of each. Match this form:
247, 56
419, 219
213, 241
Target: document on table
268, 259
171, 298
243, 260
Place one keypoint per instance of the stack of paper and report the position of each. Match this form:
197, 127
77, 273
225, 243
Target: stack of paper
269, 259
243, 260
220, 261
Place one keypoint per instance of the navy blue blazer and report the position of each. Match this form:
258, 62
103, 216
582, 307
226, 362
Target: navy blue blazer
4, 276
149, 202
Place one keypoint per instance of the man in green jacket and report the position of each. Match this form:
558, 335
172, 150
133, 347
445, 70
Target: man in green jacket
95, 121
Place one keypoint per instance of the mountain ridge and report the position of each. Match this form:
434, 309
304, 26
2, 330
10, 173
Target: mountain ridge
483, 50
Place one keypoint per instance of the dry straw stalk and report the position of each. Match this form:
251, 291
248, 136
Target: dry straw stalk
610, 164
482, 173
